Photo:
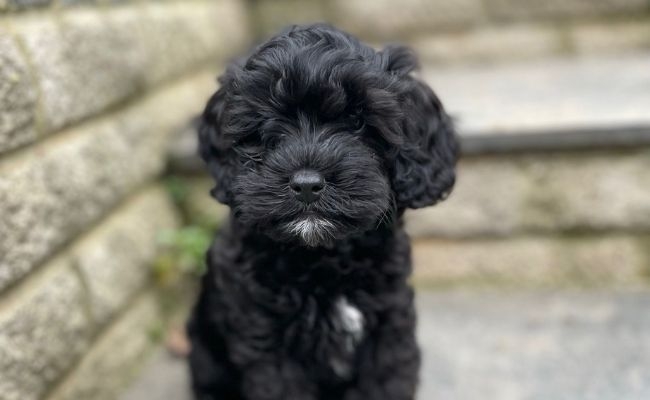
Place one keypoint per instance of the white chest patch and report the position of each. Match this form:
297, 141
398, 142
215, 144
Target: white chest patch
349, 324
350, 318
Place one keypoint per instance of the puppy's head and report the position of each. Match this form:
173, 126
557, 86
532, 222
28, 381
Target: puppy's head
316, 137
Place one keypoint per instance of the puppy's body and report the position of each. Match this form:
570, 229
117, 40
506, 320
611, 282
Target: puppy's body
318, 143
276, 322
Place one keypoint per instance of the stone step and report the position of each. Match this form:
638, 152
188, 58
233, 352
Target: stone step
542, 193
550, 95
552, 261
556, 148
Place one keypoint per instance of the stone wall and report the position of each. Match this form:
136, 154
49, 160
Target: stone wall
91, 92
444, 31
578, 218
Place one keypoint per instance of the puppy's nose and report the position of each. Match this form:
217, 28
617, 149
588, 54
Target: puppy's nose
307, 185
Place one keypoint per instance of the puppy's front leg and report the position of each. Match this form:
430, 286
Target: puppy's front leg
276, 379
389, 365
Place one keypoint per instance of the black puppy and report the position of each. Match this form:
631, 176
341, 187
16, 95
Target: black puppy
318, 143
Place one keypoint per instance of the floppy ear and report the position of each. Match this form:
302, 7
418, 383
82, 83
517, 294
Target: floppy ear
214, 148
423, 171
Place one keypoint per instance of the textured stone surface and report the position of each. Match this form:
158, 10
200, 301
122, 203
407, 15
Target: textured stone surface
517, 9
55, 190
43, 329
48, 322
115, 259
619, 37
87, 60
388, 19
555, 93
506, 195
180, 34
609, 260
79, 65
506, 346
489, 44
118, 354
273, 15
17, 96
163, 376
25, 4
199, 206
533, 40
535, 346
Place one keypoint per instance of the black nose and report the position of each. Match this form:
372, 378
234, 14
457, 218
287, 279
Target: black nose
307, 185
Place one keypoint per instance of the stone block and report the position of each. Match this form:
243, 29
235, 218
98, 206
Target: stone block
475, 207
115, 259
17, 97
25, 4
108, 367
390, 20
43, 329
572, 192
88, 60
490, 44
199, 206
611, 37
174, 37
534, 261
48, 322
55, 190
81, 65
518, 9
273, 15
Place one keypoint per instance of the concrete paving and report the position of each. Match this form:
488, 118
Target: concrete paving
503, 346
552, 346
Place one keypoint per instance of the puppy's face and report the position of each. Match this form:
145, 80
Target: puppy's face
310, 176
316, 137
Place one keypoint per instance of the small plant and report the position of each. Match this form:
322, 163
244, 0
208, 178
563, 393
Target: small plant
183, 253
177, 188
182, 250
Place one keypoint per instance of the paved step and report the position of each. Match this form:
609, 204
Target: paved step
547, 95
601, 192
519, 346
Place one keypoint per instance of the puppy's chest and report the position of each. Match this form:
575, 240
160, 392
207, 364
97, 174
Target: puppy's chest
337, 334
348, 322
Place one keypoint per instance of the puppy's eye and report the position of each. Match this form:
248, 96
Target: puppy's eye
359, 124
271, 141
249, 148
357, 120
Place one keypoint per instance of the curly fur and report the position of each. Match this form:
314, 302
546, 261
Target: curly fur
311, 301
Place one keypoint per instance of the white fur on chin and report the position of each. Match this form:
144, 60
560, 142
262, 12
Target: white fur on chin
312, 230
